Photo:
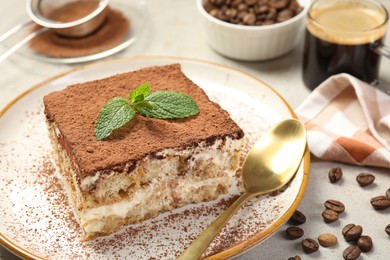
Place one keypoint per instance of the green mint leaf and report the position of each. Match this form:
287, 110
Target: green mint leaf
115, 114
163, 104
167, 105
139, 94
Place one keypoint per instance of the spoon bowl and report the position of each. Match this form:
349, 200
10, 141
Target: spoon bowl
269, 165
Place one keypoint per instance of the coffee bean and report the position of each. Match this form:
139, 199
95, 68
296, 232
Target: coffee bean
242, 7
297, 257
335, 205
365, 243
252, 12
335, 174
250, 2
217, 2
279, 4
365, 179
352, 232
327, 240
309, 245
388, 192
330, 215
295, 7
380, 202
272, 14
262, 9
351, 253
249, 19
298, 218
268, 22
285, 15
231, 13
387, 229
294, 232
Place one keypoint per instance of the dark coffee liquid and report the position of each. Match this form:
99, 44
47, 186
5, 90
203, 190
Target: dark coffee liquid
341, 37
322, 59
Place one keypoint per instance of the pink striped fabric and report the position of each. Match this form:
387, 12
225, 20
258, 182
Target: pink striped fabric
348, 120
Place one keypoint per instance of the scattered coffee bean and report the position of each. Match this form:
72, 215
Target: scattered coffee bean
294, 232
298, 218
327, 240
335, 205
352, 232
387, 229
351, 253
365, 179
297, 257
309, 245
253, 12
335, 174
380, 202
330, 215
365, 243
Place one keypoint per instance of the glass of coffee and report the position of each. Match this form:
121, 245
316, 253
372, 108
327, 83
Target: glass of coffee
344, 36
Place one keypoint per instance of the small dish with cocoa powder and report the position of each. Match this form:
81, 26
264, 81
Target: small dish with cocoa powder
253, 30
125, 21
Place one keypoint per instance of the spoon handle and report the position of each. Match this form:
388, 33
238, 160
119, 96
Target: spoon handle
13, 30
21, 43
199, 245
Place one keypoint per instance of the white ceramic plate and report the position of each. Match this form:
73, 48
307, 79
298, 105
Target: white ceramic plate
37, 221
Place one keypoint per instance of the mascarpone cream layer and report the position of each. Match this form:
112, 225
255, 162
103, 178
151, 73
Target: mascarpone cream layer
91, 218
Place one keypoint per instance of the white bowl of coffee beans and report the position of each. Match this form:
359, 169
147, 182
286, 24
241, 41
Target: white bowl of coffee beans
253, 30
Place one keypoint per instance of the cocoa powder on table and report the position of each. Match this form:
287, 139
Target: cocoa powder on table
110, 34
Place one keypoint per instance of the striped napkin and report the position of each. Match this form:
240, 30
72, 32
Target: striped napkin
348, 120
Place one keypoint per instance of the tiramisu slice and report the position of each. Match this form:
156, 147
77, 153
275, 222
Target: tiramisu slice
146, 167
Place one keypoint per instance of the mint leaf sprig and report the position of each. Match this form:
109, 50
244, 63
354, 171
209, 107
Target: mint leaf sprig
161, 104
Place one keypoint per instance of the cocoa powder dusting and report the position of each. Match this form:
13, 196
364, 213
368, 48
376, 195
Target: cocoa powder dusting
110, 34
76, 108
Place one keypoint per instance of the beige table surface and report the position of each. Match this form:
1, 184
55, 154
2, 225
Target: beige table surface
174, 29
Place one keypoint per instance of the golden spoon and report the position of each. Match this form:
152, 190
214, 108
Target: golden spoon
269, 165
